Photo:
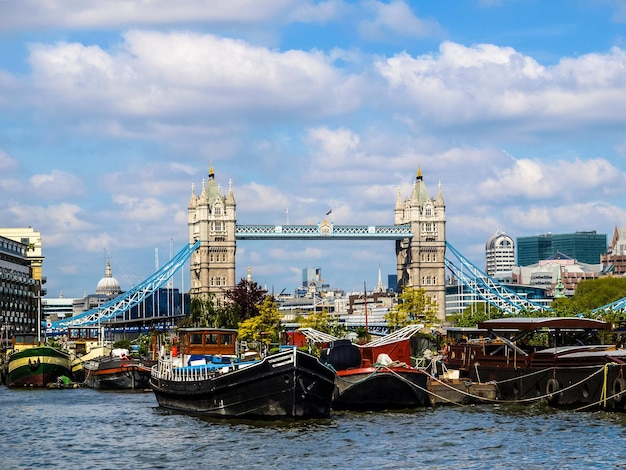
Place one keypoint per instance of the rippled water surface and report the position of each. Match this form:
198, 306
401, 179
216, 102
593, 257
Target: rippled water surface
85, 428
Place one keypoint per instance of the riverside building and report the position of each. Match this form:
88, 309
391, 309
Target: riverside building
20, 290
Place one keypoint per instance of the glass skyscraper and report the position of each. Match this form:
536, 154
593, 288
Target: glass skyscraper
584, 247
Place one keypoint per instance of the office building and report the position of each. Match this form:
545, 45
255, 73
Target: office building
20, 293
584, 247
499, 254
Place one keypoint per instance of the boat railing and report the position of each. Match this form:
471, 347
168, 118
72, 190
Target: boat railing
164, 370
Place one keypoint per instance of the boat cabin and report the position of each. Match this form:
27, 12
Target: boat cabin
82, 339
519, 337
207, 341
24, 341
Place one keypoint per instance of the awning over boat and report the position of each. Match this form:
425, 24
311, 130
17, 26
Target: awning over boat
552, 323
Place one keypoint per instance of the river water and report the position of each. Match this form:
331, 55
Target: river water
91, 429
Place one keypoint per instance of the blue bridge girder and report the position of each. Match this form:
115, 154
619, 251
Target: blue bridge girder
488, 289
124, 302
323, 231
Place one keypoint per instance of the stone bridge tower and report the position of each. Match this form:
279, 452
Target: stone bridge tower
421, 259
212, 220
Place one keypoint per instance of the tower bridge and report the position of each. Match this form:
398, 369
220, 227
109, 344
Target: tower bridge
421, 253
418, 232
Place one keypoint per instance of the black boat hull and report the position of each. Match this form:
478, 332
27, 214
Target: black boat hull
373, 389
291, 384
110, 373
590, 387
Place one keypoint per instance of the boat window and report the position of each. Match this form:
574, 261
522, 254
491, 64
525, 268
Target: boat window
227, 339
195, 338
211, 338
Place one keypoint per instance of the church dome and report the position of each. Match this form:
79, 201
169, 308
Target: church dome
108, 285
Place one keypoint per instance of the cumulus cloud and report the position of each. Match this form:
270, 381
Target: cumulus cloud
463, 85
536, 179
137, 209
59, 222
258, 200
163, 76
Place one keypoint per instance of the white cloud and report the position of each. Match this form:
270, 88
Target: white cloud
60, 223
7, 163
56, 185
536, 179
160, 77
138, 209
78, 14
486, 83
395, 18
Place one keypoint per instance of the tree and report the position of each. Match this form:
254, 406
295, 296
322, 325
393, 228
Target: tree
263, 327
414, 306
592, 294
476, 313
201, 312
245, 298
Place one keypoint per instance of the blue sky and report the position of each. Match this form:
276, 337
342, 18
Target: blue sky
110, 111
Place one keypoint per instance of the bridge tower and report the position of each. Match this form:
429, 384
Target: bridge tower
421, 259
212, 219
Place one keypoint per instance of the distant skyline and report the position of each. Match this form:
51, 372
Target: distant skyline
111, 111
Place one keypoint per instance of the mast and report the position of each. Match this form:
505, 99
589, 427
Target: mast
365, 303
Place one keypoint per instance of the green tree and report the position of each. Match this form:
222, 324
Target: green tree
414, 306
476, 313
592, 294
201, 312
264, 327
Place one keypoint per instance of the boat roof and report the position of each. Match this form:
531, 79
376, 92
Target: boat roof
529, 323
317, 336
398, 335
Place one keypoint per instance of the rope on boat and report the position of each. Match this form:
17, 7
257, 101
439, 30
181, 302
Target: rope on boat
420, 388
548, 395
543, 371
525, 400
603, 396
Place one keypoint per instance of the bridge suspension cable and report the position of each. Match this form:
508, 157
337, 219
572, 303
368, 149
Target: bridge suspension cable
126, 301
487, 288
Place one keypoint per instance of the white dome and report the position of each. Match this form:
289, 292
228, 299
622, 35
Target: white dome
108, 285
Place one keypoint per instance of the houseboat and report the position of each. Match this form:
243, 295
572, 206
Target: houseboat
378, 375
31, 364
566, 361
204, 373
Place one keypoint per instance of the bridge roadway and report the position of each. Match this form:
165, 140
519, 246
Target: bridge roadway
323, 230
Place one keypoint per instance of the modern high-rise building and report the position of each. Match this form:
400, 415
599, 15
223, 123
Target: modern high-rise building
499, 254
20, 291
585, 247
310, 275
